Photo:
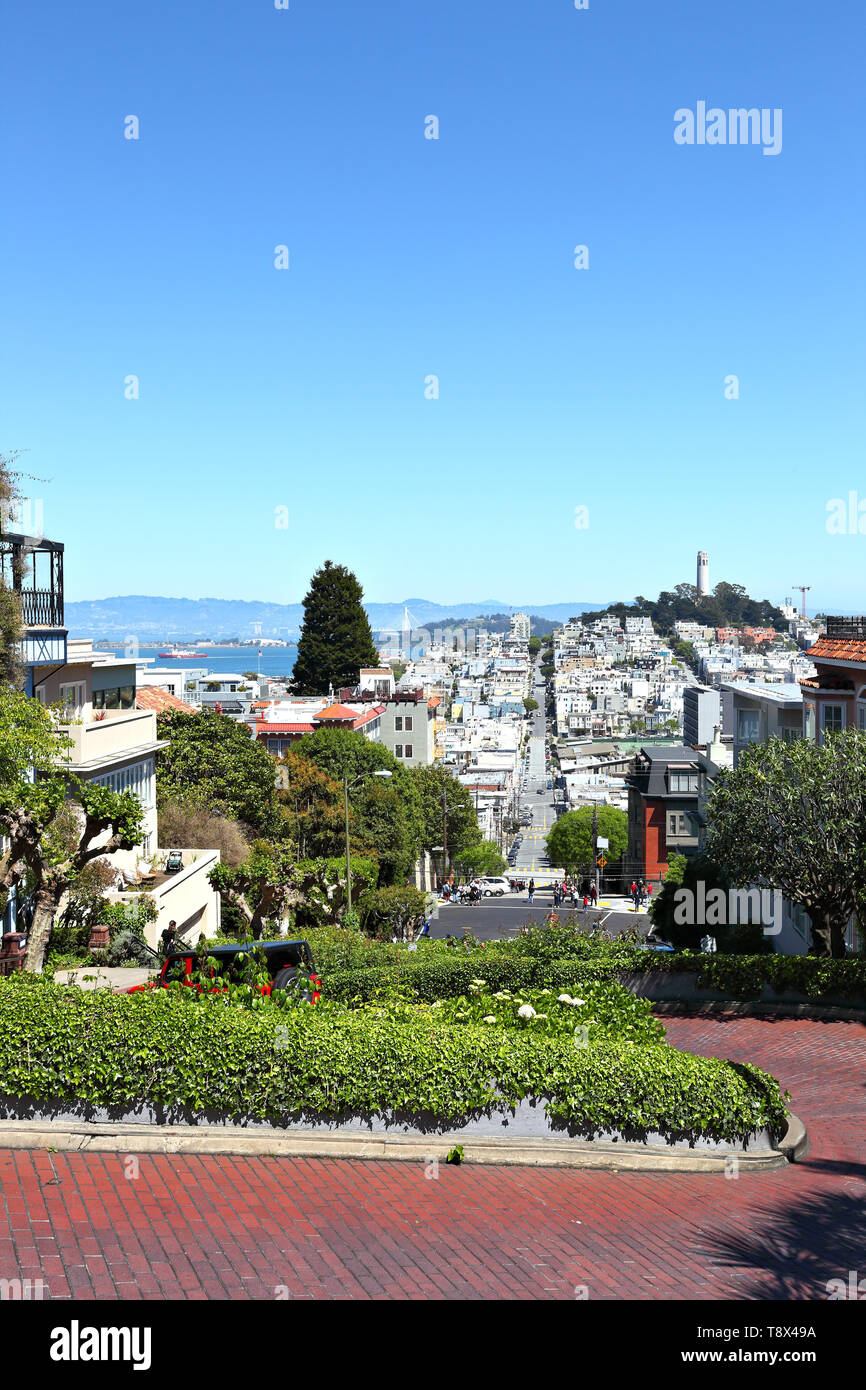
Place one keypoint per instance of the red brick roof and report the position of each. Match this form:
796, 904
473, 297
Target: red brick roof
265, 727
152, 697
830, 648
338, 712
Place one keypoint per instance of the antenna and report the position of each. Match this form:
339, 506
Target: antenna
803, 589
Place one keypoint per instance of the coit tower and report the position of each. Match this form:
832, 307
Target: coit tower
703, 572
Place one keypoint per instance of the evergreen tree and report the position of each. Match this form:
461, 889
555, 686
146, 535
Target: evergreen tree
335, 640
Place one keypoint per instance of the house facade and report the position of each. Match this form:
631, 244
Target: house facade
665, 792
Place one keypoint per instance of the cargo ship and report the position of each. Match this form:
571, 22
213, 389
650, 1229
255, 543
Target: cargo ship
179, 653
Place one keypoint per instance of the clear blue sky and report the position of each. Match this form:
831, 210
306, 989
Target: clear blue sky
305, 388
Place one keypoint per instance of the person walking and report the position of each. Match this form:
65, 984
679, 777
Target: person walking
641, 891
167, 938
635, 895
593, 894
531, 889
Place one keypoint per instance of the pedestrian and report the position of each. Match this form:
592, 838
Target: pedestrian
168, 938
425, 930
593, 894
649, 894
635, 895
641, 891
585, 901
531, 889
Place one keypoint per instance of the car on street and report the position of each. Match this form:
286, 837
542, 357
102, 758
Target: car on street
494, 885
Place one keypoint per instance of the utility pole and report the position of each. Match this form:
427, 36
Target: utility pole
348, 859
595, 851
444, 834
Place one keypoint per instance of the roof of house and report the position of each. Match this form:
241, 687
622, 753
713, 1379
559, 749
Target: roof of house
265, 728
338, 711
152, 697
835, 648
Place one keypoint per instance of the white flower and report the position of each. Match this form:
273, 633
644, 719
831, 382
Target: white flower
479, 982
526, 1011
544, 991
489, 1019
577, 1002
565, 999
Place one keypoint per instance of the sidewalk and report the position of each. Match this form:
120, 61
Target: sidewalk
115, 977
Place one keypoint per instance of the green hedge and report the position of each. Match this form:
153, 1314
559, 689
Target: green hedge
434, 979
561, 958
744, 976
61, 1043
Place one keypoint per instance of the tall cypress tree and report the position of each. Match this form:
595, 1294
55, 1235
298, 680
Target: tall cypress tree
335, 640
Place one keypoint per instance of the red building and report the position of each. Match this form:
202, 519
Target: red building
665, 793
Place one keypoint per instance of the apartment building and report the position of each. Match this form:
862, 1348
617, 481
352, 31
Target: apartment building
664, 792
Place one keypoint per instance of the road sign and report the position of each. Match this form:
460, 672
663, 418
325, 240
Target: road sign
602, 843
601, 861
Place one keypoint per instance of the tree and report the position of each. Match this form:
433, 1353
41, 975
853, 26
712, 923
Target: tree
56, 827
569, 842
529, 705
220, 762
534, 646
311, 803
387, 811
432, 784
395, 911
272, 883
792, 816
336, 640
483, 858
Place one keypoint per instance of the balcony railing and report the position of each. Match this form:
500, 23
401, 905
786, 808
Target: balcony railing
847, 629
41, 608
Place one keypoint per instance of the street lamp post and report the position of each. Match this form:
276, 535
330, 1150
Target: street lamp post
381, 773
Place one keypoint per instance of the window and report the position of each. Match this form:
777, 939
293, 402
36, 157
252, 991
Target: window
681, 824
748, 726
408, 750
791, 735
861, 714
117, 697
398, 750
72, 698
408, 723
832, 718
683, 781
398, 724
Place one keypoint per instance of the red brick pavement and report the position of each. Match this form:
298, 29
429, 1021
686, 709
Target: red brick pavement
247, 1227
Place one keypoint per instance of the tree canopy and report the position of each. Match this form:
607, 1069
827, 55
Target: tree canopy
219, 761
336, 640
728, 606
792, 816
461, 822
569, 841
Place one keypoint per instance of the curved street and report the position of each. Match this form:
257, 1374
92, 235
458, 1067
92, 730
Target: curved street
102, 1226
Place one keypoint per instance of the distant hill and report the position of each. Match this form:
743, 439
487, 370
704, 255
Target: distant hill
184, 619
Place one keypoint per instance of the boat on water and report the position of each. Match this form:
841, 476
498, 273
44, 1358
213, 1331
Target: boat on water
179, 652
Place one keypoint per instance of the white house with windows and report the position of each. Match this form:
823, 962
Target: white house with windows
115, 745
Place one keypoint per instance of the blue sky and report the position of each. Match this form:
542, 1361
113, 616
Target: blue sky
559, 388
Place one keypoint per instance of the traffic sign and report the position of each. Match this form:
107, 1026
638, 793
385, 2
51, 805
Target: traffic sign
601, 861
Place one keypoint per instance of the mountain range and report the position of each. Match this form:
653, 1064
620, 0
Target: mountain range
187, 619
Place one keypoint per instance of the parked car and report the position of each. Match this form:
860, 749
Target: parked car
284, 961
494, 885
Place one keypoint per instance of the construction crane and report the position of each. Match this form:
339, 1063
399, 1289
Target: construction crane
804, 589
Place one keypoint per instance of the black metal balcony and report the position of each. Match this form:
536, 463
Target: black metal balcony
32, 567
847, 629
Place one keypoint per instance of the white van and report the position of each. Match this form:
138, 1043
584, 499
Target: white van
494, 885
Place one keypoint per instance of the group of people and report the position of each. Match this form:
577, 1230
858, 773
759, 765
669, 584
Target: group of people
640, 893
471, 892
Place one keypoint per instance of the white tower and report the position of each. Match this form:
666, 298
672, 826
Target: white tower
703, 572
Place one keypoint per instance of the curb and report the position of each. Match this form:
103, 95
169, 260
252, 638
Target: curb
86, 1137
700, 1008
795, 1141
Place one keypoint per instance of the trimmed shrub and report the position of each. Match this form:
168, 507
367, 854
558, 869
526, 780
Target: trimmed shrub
60, 1043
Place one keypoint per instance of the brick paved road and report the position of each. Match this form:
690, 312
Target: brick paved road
239, 1228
